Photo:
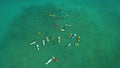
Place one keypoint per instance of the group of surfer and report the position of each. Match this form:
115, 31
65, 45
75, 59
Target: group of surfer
47, 39
59, 41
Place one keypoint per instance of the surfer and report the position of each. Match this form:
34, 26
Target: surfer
37, 47
32, 43
58, 39
47, 39
43, 42
78, 38
55, 59
48, 61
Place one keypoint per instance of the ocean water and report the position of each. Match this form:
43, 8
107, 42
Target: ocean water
25, 21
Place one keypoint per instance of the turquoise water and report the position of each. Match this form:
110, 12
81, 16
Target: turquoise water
96, 22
